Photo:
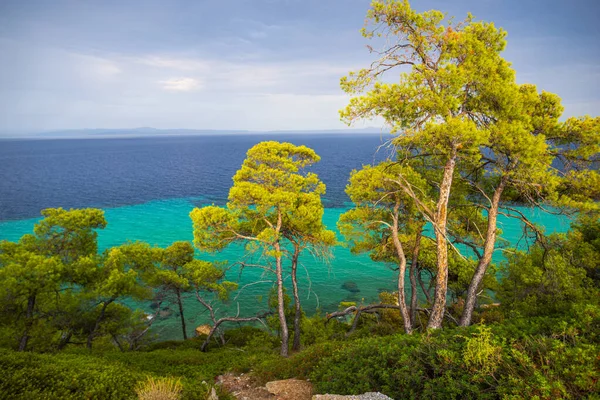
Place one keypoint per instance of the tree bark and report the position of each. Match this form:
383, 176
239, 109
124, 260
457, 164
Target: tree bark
485, 260
180, 304
281, 304
423, 288
441, 285
118, 343
413, 277
297, 306
28, 323
64, 340
280, 296
401, 271
99, 320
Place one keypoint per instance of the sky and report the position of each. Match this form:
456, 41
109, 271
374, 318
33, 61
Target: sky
245, 64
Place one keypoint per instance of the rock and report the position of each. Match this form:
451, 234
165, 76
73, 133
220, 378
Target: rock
366, 396
165, 313
203, 330
243, 387
154, 305
291, 389
350, 286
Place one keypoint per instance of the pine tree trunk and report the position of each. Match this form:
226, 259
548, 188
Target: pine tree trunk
484, 262
281, 304
280, 297
401, 272
441, 285
64, 340
413, 277
28, 323
297, 306
180, 304
99, 320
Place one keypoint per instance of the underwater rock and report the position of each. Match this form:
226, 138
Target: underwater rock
350, 286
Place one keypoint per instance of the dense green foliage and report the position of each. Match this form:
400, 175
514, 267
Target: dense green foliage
555, 276
58, 290
457, 364
547, 358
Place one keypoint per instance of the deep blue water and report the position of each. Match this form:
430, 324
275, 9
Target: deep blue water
36, 174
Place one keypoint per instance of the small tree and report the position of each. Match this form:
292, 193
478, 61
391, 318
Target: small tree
122, 274
170, 276
269, 191
208, 278
25, 277
385, 222
305, 231
69, 235
42, 266
531, 158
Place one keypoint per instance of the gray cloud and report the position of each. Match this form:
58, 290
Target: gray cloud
241, 64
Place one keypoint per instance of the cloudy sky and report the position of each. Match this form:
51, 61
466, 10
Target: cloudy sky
244, 64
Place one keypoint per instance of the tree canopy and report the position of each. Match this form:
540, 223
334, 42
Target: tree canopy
464, 125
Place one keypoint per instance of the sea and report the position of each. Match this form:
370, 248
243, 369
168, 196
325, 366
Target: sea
147, 187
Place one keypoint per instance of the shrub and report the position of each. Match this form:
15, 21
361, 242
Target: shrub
299, 365
481, 353
462, 364
111, 375
250, 336
317, 329
64, 376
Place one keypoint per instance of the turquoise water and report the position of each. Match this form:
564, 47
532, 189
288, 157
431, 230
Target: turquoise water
165, 221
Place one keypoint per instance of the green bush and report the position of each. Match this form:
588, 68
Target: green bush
547, 368
80, 374
299, 365
462, 364
185, 363
317, 329
66, 376
192, 343
251, 336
